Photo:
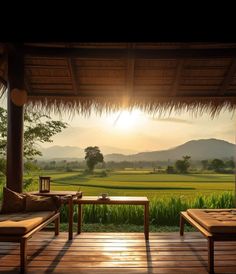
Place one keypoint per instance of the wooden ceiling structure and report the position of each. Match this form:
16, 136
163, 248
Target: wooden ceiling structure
156, 77
107, 76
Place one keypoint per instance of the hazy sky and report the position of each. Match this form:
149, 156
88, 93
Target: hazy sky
138, 131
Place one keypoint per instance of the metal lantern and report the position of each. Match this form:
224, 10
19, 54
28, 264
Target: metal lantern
44, 184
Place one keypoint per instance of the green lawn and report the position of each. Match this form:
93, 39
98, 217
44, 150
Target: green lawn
140, 183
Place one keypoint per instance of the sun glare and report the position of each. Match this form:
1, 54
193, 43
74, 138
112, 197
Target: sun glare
125, 120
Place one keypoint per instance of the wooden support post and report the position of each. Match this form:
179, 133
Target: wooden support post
23, 255
210, 255
71, 210
57, 225
146, 220
79, 219
181, 225
15, 122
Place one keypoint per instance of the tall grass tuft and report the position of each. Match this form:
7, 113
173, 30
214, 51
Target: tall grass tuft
163, 211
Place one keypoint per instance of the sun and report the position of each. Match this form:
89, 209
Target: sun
125, 120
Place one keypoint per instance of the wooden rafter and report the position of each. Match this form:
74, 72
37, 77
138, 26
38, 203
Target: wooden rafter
116, 96
73, 75
72, 70
27, 85
228, 77
176, 82
130, 71
124, 53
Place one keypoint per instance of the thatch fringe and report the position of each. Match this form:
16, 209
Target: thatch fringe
151, 105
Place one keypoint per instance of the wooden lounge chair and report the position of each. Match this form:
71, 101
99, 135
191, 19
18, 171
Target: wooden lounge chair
22, 215
214, 224
20, 227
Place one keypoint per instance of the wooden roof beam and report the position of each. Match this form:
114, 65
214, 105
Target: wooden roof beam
73, 75
130, 71
228, 77
124, 53
182, 98
27, 85
176, 83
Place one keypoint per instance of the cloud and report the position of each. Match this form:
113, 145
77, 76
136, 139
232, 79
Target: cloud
173, 120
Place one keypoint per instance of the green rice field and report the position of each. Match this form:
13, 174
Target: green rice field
140, 183
169, 194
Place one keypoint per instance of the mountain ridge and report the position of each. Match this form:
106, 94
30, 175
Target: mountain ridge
198, 150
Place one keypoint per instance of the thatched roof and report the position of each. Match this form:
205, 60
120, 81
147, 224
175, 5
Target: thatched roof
108, 76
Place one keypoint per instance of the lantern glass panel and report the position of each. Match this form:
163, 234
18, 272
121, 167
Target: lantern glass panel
44, 184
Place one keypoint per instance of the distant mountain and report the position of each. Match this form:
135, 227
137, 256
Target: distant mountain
72, 152
197, 149
109, 150
64, 152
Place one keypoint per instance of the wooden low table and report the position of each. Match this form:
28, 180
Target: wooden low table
71, 195
115, 200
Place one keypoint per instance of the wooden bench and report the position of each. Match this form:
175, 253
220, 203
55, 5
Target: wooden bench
20, 227
215, 225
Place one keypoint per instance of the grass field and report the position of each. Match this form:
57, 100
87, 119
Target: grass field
140, 183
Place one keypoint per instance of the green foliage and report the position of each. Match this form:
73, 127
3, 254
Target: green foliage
205, 164
35, 131
162, 211
2, 166
217, 165
182, 166
230, 164
30, 166
3, 132
170, 170
98, 227
93, 156
27, 183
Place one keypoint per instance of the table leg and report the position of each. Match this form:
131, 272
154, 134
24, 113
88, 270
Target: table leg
79, 218
146, 220
181, 225
70, 205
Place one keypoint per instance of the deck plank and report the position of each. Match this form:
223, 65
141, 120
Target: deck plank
97, 253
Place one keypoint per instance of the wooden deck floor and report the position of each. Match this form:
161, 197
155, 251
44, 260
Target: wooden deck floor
103, 253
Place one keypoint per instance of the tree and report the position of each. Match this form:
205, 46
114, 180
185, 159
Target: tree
217, 165
35, 131
2, 166
230, 164
182, 166
170, 170
205, 164
92, 157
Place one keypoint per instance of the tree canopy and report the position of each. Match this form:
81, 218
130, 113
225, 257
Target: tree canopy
182, 166
217, 165
38, 128
93, 156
